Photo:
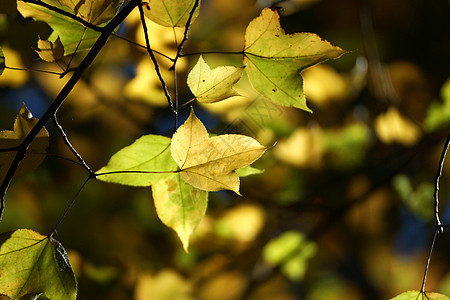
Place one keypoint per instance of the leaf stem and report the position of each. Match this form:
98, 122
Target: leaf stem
136, 172
212, 52
37, 71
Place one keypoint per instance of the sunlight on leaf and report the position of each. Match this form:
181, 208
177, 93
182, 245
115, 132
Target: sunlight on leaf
170, 13
68, 30
94, 11
179, 205
210, 163
393, 127
214, 85
149, 153
165, 285
275, 59
12, 138
49, 51
438, 113
31, 264
416, 295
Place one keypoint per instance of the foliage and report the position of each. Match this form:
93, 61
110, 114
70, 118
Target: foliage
323, 218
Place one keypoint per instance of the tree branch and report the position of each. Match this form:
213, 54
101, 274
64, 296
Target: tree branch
54, 106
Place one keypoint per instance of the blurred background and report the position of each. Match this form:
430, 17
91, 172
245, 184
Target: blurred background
344, 208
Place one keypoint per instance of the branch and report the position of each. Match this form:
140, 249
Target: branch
54, 106
67, 14
186, 32
155, 62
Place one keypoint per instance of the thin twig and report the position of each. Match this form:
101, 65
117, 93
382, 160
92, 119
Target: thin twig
436, 231
69, 145
155, 62
32, 70
23, 147
212, 52
142, 46
67, 14
186, 33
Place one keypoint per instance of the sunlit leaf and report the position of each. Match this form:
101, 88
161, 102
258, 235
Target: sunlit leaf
248, 170
416, 295
94, 11
32, 264
49, 51
68, 30
214, 85
170, 13
179, 205
393, 127
165, 285
210, 163
2, 61
275, 59
438, 114
149, 153
12, 138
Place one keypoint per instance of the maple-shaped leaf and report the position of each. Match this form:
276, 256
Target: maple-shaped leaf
94, 11
179, 205
68, 30
214, 85
170, 13
210, 163
12, 138
275, 59
416, 295
32, 264
49, 51
2, 62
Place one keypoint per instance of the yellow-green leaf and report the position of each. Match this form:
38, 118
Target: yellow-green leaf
179, 205
416, 295
49, 51
94, 11
214, 85
170, 13
32, 264
68, 30
275, 59
210, 163
12, 138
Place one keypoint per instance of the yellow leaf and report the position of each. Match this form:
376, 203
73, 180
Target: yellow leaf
49, 51
94, 11
170, 13
210, 163
214, 85
392, 127
8, 139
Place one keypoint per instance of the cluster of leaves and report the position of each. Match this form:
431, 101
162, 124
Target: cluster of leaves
180, 170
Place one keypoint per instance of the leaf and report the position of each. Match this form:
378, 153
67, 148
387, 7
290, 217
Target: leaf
94, 11
416, 295
36, 151
179, 205
214, 85
149, 153
31, 264
49, 51
274, 59
248, 170
2, 62
68, 30
210, 163
170, 13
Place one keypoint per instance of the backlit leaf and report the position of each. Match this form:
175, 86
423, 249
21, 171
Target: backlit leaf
12, 138
179, 205
416, 295
49, 51
275, 59
149, 153
170, 13
214, 85
94, 11
68, 30
32, 264
210, 163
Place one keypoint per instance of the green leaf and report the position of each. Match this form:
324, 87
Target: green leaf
31, 264
275, 59
12, 138
214, 85
2, 62
416, 295
179, 205
68, 30
149, 153
438, 113
170, 13
248, 170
